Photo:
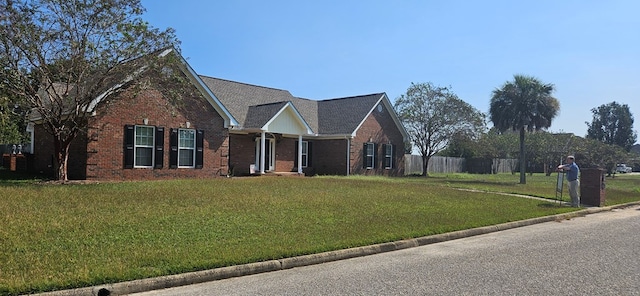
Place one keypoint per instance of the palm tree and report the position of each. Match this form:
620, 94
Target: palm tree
524, 104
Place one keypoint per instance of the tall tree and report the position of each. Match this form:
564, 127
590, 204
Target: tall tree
12, 113
613, 124
432, 115
595, 153
12, 122
63, 54
524, 104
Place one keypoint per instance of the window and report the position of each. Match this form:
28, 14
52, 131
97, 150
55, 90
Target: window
305, 154
388, 156
186, 148
369, 151
307, 151
143, 146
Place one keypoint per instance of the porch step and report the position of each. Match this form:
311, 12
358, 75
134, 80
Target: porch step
284, 174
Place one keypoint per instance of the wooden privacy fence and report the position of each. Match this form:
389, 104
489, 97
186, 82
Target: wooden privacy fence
442, 164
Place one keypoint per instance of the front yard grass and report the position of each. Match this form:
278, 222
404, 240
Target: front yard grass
65, 236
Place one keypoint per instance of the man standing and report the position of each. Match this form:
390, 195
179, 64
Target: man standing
572, 170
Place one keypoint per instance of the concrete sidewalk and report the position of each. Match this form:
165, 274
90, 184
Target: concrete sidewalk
190, 278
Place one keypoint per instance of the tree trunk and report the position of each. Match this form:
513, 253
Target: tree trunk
62, 159
425, 165
523, 161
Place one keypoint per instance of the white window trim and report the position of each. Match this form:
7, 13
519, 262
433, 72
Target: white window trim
136, 146
388, 156
31, 131
193, 149
373, 155
305, 155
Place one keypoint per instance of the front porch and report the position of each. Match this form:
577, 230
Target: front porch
271, 142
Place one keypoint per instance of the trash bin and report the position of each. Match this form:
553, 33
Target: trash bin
592, 186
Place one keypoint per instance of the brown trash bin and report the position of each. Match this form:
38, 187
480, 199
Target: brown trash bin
592, 186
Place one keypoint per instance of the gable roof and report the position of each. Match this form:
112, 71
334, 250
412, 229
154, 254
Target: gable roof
229, 119
279, 117
184, 67
252, 105
257, 116
345, 115
237, 97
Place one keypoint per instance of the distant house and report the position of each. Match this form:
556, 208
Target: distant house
220, 127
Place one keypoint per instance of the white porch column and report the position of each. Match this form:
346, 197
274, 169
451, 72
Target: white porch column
348, 156
262, 141
300, 154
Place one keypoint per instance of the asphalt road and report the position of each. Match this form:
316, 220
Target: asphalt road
598, 254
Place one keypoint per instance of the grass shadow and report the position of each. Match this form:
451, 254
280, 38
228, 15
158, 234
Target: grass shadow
8, 177
485, 182
550, 204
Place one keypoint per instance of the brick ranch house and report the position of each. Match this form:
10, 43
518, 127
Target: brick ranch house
220, 127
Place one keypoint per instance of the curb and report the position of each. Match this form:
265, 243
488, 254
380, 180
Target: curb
171, 281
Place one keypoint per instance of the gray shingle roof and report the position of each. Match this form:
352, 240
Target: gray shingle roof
237, 97
258, 116
252, 106
343, 115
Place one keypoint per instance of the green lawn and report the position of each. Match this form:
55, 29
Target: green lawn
65, 236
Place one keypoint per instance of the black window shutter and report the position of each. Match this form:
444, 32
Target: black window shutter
309, 149
199, 148
382, 157
295, 158
129, 136
393, 155
173, 154
364, 155
375, 155
159, 156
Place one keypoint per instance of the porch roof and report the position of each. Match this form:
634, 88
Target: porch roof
279, 117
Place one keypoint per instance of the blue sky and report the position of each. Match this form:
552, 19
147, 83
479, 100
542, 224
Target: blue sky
590, 50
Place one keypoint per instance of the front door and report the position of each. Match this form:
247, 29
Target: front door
269, 156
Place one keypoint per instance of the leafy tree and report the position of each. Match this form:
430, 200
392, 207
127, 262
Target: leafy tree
524, 104
12, 122
62, 54
12, 115
495, 144
460, 145
432, 115
612, 124
546, 150
594, 153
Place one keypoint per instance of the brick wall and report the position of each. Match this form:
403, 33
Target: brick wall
99, 153
378, 128
285, 154
330, 157
106, 135
44, 155
243, 151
